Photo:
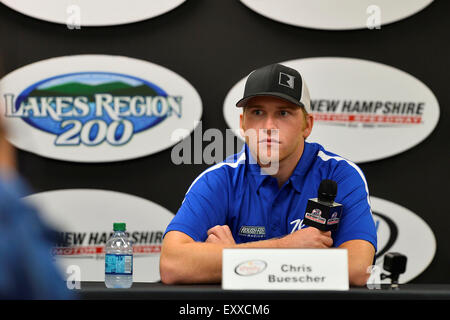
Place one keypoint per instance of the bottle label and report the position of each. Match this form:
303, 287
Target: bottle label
119, 264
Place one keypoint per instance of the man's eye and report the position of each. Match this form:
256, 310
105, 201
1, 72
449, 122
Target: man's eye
284, 113
257, 112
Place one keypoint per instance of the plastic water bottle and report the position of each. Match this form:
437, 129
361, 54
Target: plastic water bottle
119, 259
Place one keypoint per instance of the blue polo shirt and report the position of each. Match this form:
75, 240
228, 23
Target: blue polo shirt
235, 193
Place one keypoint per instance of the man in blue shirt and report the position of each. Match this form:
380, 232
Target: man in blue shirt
27, 270
257, 198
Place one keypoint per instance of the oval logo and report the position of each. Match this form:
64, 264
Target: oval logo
358, 105
401, 230
250, 268
97, 108
333, 15
92, 13
87, 224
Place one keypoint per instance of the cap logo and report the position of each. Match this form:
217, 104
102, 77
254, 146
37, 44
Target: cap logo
286, 80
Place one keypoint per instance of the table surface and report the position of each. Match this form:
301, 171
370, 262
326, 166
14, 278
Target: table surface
160, 291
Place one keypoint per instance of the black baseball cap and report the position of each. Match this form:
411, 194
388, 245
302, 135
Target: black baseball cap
279, 81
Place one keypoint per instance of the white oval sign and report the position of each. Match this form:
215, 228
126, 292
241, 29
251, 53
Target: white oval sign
401, 230
97, 108
92, 13
337, 15
85, 218
362, 110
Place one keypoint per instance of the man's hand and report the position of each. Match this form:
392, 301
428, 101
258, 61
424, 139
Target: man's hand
308, 238
220, 235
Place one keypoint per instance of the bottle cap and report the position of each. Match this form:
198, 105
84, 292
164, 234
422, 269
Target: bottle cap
119, 226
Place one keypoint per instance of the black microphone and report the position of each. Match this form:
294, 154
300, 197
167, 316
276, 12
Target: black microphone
322, 212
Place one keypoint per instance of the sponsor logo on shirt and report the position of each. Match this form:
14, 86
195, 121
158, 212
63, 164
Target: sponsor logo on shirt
253, 231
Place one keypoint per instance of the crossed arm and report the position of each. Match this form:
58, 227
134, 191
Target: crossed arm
184, 260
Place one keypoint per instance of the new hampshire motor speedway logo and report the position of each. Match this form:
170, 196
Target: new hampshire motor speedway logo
87, 224
368, 114
92, 108
92, 244
95, 108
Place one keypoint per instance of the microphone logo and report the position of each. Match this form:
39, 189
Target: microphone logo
334, 219
316, 215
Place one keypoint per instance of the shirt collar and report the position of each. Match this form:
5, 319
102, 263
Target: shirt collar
298, 174
254, 169
303, 165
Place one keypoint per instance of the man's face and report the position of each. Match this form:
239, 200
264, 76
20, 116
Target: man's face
274, 129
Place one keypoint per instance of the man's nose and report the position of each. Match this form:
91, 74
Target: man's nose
270, 125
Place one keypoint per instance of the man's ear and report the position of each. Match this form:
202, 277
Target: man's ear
308, 126
241, 124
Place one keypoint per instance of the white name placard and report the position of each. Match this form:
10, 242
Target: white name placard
285, 269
